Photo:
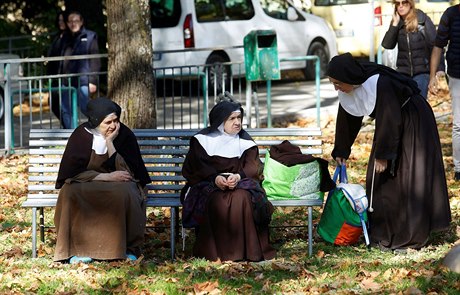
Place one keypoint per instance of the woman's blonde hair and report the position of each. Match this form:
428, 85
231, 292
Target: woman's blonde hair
411, 21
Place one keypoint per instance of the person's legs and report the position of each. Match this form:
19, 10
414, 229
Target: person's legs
66, 110
83, 98
55, 103
422, 83
454, 87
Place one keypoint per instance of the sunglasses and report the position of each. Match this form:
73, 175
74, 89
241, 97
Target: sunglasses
401, 3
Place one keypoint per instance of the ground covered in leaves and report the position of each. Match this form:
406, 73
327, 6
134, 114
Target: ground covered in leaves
331, 269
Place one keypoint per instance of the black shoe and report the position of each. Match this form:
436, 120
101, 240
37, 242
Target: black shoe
400, 251
384, 248
457, 176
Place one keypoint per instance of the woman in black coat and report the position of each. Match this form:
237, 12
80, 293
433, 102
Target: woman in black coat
414, 32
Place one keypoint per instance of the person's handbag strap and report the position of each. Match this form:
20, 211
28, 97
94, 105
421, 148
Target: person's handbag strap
340, 174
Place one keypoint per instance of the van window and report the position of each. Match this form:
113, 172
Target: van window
220, 10
338, 2
277, 9
239, 9
209, 10
165, 13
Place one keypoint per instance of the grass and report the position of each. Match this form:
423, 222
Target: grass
331, 269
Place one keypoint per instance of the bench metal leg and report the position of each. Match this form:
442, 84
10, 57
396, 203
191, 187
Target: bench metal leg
173, 232
34, 232
42, 225
310, 231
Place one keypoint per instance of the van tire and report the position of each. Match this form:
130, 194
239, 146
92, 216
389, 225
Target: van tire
213, 68
319, 49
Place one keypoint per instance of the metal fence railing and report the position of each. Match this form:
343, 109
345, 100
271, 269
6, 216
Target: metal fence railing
31, 98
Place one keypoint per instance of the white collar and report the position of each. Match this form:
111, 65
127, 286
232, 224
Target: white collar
99, 143
361, 101
223, 144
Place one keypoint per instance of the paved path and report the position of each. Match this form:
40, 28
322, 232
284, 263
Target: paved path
296, 99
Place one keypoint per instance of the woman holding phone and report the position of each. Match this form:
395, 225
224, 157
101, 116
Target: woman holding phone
414, 32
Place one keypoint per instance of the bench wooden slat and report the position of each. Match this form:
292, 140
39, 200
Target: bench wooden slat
311, 151
297, 202
39, 203
43, 169
161, 142
41, 178
305, 142
163, 160
167, 178
42, 196
45, 161
169, 152
163, 169
43, 133
41, 187
176, 187
164, 132
273, 132
171, 202
46, 152
163, 196
48, 142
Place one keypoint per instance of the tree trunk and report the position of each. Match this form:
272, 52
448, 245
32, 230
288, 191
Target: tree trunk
130, 67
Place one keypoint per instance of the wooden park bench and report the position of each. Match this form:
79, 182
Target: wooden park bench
163, 151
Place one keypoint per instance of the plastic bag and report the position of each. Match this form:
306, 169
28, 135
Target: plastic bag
344, 215
301, 181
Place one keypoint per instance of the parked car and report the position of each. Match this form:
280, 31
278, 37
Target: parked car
15, 70
206, 32
354, 20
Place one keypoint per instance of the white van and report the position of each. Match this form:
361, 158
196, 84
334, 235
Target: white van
203, 32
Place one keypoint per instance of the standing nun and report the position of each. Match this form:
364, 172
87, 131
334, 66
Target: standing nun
405, 177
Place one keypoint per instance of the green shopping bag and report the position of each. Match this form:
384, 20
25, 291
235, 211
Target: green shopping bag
340, 224
301, 181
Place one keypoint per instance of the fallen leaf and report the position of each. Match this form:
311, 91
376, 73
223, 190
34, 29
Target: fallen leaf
320, 254
370, 284
206, 287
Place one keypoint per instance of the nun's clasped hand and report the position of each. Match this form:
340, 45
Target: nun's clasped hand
229, 182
